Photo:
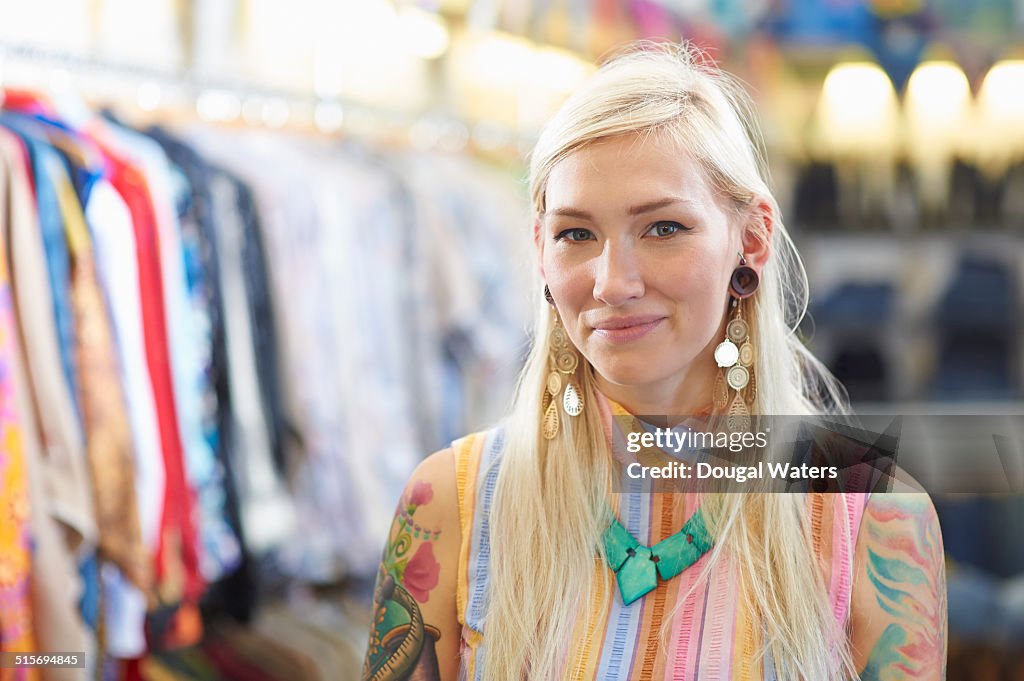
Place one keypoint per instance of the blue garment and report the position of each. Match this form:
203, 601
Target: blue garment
51, 226
89, 603
83, 178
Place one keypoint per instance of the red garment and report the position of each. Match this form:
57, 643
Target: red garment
25, 102
131, 669
177, 576
28, 164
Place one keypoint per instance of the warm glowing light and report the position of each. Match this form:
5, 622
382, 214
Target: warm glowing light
558, 70
858, 111
421, 33
856, 93
938, 94
218, 105
999, 125
1002, 92
938, 106
496, 58
149, 96
362, 51
509, 80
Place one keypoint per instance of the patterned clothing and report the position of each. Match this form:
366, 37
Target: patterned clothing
107, 430
712, 635
16, 631
49, 438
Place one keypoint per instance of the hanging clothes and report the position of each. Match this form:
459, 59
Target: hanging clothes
44, 160
212, 478
179, 583
185, 339
16, 625
229, 335
61, 523
113, 243
39, 257
375, 323
266, 511
107, 432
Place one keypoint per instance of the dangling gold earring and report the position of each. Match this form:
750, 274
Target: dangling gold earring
735, 355
562, 360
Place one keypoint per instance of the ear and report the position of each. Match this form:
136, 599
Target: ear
757, 235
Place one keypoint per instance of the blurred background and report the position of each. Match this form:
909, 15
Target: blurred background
260, 258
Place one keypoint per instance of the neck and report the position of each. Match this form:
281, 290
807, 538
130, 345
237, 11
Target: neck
685, 393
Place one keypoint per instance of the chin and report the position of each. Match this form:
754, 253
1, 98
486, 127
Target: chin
634, 372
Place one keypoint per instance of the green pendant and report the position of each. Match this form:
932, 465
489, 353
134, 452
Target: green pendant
637, 576
637, 567
684, 548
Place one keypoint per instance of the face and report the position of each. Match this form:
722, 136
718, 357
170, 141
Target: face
638, 249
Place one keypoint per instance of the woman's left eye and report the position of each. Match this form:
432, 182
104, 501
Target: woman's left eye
666, 228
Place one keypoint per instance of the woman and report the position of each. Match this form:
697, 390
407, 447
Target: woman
512, 555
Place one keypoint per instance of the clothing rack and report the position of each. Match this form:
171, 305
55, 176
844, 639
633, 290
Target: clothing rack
185, 79
167, 93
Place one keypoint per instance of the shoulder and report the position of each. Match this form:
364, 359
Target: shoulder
903, 515
898, 613
431, 486
481, 445
443, 469
448, 478
463, 474
900, 521
478, 454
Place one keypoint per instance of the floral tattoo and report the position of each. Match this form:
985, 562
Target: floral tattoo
401, 643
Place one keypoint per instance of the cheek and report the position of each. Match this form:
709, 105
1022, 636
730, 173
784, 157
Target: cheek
700, 292
571, 284
692, 276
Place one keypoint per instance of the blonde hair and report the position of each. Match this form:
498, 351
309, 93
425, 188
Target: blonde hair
551, 497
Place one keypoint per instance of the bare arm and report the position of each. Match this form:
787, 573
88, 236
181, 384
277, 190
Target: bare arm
415, 629
899, 591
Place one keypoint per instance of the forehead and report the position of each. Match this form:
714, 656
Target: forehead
627, 169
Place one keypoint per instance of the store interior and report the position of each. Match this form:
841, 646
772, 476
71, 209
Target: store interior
261, 258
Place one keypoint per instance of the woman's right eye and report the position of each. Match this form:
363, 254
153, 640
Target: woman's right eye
575, 234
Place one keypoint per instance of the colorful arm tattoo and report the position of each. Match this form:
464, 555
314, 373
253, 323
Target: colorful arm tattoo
402, 645
905, 566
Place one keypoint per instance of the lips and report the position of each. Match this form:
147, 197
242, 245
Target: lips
626, 329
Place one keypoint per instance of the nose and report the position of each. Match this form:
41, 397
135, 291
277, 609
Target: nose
617, 278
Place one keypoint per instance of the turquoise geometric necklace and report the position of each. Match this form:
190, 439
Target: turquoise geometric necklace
638, 567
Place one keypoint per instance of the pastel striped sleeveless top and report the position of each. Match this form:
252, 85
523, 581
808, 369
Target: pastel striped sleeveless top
712, 636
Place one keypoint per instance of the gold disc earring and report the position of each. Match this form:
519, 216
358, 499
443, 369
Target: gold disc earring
735, 355
562, 361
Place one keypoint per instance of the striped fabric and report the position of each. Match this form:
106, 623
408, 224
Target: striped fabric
710, 635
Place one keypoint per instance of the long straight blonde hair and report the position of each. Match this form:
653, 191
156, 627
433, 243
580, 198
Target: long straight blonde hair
549, 509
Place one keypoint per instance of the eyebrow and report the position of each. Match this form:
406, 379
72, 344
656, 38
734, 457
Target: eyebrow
639, 209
